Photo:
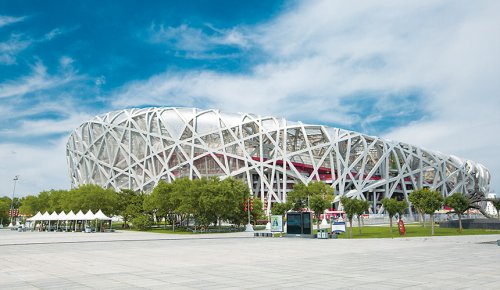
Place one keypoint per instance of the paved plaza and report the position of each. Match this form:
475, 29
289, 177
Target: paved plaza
137, 260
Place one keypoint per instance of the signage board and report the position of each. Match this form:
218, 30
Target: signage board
276, 223
338, 227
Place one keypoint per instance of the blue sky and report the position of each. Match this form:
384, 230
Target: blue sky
422, 72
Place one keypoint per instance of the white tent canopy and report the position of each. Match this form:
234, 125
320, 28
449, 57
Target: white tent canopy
80, 216
62, 216
101, 216
54, 216
89, 216
35, 218
56, 219
71, 216
45, 216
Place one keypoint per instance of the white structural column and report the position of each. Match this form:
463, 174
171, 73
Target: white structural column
136, 148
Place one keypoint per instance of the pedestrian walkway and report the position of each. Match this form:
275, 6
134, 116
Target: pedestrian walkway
141, 260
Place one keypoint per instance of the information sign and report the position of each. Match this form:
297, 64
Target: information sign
338, 227
276, 223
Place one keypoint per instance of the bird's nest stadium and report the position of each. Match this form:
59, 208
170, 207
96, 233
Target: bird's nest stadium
136, 148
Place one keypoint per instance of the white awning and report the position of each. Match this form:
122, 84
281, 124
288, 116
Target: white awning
62, 216
101, 216
35, 218
54, 216
71, 216
45, 216
80, 216
89, 216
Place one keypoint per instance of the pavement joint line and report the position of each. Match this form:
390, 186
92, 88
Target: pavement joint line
112, 241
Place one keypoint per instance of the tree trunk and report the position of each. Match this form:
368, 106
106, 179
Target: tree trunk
423, 218
317, 223
350, 228
432, 224
460, 222
390, 224
359, 224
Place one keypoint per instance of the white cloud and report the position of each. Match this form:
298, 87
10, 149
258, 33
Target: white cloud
41, 127
39, 168
17, 43
321, 54
185, 38
10, 48
53, 33
38, 80
29, 105
7, 20
318, 57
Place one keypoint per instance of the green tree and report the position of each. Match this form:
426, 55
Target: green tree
29, 205
321, 197
417, 199
191, 200
393, 207
94, 197
242, 193
4, 210
57, 200
280, 208
43, 203
361, 206
161, 201
353, 206
142, 222
317, 196
496, 204
211, 203
184, 200
129, 205
402, 207
298, 197
459, 203
349, 205
234, 192
258, 210
432, 201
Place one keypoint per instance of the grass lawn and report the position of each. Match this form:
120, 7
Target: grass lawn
412, 230
169, 231
183, 231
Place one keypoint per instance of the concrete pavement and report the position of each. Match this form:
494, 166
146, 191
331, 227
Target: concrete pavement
134, 260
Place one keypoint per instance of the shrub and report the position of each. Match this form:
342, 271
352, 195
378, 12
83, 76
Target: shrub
142, 222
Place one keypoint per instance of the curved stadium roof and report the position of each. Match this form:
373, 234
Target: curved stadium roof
135, 148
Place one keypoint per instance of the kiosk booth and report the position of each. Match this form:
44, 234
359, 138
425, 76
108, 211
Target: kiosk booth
299, 224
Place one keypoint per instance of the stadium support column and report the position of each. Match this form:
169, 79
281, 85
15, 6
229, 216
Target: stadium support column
261, 159
191, 152
129, 158
386, 170
285, 173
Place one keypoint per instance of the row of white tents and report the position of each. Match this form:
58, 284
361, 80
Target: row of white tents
52, 221
71, 216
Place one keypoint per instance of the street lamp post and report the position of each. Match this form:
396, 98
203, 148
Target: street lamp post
16, 178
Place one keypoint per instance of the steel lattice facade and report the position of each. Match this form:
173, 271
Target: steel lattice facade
136, 148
